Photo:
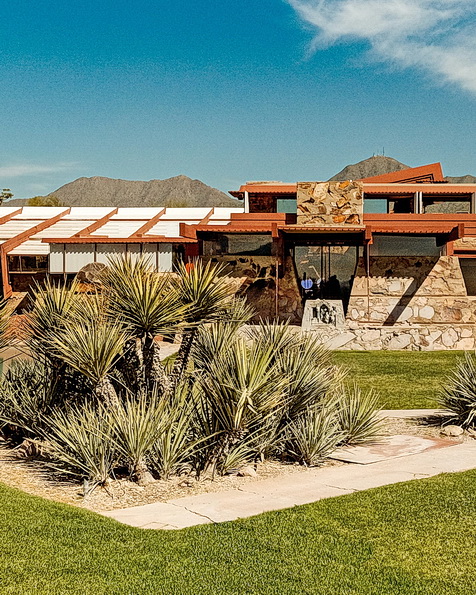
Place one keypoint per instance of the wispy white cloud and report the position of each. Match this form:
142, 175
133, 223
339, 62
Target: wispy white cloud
29, 169
435, 36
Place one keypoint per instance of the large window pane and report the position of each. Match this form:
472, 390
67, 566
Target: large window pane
236, 244
404, 245
446, 206
286, 205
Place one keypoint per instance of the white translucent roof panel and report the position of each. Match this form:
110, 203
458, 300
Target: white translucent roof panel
118, 229
4, 211
40, 212
186, 213
12, 228
62, 229
88, 213
32, 248
165, 228
225, 212
145, 213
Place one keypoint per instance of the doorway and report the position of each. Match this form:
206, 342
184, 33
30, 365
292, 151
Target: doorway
325, 270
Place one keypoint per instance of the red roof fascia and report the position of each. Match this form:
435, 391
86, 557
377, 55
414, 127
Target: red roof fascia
441, 189
430, 173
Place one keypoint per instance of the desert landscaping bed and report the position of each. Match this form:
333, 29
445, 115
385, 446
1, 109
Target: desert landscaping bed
33, 477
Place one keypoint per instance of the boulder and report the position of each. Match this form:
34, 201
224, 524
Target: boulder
452, 430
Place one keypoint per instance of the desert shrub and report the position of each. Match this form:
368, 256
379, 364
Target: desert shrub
240, 389
358, 415
26, 396
172, 452
136, 425
80, 442
313, 436
459, 393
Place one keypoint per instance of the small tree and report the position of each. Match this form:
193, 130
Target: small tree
6, 194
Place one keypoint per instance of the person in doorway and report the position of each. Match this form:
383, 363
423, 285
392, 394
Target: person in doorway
306, 285
333, 288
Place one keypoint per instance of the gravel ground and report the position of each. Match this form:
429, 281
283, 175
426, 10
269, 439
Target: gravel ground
33, 477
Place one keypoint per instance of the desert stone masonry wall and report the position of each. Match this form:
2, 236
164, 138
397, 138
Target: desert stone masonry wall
411, 291
334, 204
412, 303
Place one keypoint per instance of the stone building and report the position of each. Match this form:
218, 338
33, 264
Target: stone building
382, 263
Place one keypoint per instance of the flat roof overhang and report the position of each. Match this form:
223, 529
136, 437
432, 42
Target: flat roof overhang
130, 240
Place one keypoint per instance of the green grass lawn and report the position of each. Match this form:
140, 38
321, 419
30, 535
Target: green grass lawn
413, 538
403, 379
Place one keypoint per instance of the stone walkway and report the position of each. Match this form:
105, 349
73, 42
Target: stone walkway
310, 486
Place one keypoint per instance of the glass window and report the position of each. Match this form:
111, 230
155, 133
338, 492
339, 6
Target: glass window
468, 268
404, 245
446, 205
375, 205
286, 205
239, 243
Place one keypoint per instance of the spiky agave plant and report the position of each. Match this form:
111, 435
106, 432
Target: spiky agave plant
26, 397
458, 394
241, 390
92, 344
173, 451
313, 436
53, 304
357, 413
136, 426
80, 442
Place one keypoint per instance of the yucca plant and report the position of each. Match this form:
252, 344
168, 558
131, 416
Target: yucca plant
311, 376
458, 395
80, 442
147, 305
357, 413
204, 294
211, 340
53, 304
173, 451
91, 344
136, 426
26, 397
241, 389
313, 436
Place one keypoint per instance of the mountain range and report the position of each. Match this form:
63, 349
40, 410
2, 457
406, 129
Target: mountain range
182, 191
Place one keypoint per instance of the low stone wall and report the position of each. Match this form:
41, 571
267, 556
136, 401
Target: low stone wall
392, 338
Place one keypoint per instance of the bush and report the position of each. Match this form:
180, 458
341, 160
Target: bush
459, 394
136, 424
173, 450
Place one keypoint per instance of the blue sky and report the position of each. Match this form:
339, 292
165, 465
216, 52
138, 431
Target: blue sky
228, 91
